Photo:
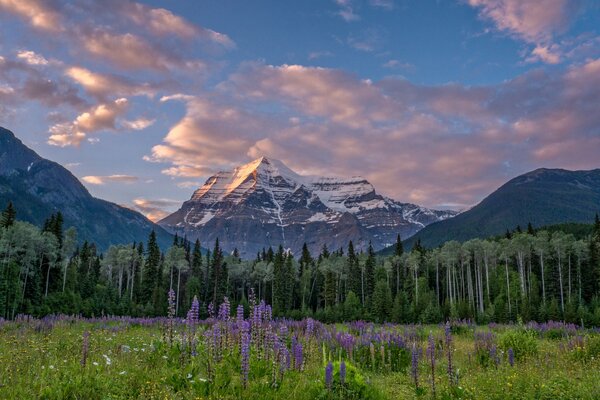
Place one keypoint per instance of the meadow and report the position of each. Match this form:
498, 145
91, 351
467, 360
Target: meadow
246, 354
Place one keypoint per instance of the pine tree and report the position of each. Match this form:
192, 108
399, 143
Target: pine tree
218, 275
530, 229
279, 284
398, 248
151, 270
8, 216
354, 272
369, 273
381, 306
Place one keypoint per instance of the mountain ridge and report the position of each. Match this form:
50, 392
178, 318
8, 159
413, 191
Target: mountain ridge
267, 199
544, 196
39, 187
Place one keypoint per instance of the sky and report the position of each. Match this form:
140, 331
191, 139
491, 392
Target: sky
435, 102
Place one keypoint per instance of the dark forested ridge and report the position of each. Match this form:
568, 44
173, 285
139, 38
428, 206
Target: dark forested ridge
531, 275
541, 197
41, 187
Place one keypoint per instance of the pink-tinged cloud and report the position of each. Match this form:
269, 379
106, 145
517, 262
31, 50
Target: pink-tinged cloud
102, 180
415, 143
155, 210
547, 54
208, 137
99, 118
535, 21
103, 85
40, 14
162, 22
130, 51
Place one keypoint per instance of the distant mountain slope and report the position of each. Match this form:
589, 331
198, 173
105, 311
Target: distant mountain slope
39, 187
264, 203
542, 197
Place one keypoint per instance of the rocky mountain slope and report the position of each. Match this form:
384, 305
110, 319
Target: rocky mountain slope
39, 187
542, 197
264, 203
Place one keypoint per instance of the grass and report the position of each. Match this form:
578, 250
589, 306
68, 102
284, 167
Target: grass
134, 359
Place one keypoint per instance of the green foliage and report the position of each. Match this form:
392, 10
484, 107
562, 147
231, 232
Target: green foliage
354, 387
521, 341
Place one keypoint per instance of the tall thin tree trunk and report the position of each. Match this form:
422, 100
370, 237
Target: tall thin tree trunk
543, 279
569, 277
437, 280
178, 282
560, 280
507, 287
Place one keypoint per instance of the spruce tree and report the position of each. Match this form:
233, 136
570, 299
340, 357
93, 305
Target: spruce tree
8, 216
398, 248
370, 273
279, 284
151, 269
354, 272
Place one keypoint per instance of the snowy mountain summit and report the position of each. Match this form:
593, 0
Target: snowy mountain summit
264, 203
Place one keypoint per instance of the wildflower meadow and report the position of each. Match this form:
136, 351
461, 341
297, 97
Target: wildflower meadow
247, 354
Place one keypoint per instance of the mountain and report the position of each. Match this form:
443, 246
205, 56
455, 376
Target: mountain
39, 187
542, 197
264, 203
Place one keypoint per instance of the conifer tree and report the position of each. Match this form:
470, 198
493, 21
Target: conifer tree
354, 271
151, 269
8, 216
369, 280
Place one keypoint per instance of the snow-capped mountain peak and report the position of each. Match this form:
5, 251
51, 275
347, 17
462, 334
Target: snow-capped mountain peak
265, 203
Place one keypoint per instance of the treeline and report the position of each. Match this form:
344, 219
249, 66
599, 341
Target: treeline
531, 275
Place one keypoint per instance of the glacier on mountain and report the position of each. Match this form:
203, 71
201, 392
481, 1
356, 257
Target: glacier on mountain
264, 203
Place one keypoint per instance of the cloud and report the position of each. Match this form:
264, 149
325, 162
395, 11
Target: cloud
32, 58
208, 137
102, 85
189, 184
385, 4
448, 144
397, 64
39, 13
368, 40
132, 52
163, 22
138, 124
100, 117
155, 210
102, 180
533, 21
319, 54
346, 10
547, 54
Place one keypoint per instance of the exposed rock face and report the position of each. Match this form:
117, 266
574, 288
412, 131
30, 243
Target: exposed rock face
39, 187
264, 203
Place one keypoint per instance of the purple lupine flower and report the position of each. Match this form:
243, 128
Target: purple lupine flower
211, 310
297, 352
85, 347
245, 352
171, 299
239, 314
310, 326
431, 356
511, 357
342, 372
193, 314
448, 335
329, 375
224, 310
494, 355
415, 365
